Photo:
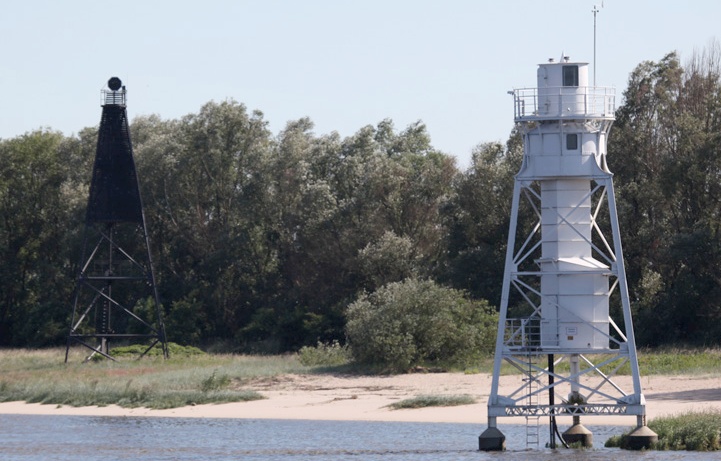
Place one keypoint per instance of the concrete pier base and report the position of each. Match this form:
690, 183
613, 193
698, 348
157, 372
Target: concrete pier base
578, 433
492, 440
641, 438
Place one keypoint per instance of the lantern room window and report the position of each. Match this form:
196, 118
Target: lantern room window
570, 75
571, 142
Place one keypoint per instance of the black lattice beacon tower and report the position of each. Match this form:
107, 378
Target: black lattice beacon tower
116, 298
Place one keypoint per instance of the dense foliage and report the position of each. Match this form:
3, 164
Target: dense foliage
666, 154
262, 241
415, 322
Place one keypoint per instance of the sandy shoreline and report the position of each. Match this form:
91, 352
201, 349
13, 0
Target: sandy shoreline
366, 398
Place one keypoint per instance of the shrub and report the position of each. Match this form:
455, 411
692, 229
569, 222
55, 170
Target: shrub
415, 322
324, 355
174, 350
215, 382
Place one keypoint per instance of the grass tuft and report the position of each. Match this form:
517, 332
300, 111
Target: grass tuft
215, 382
423, 401
694, 431
40, 376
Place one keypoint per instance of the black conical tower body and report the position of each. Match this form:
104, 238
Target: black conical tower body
116, 298
114, 192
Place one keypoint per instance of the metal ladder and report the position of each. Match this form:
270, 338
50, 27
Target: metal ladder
532, 418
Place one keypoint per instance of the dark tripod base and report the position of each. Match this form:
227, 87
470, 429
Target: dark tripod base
640, 439
578, 434
492, 440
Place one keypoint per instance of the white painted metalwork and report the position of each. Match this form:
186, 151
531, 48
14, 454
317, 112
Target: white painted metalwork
113, 97
564, 271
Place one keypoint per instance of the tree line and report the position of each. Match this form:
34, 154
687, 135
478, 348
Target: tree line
261, 242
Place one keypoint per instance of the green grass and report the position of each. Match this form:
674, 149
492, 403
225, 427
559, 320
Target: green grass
689, 431
423, 401
665, 361
40, 376
193, 377
677, 361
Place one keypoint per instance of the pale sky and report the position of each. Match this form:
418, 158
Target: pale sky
345, 64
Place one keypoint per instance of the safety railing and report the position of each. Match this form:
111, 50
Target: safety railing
112, 98
563, 102
523, 333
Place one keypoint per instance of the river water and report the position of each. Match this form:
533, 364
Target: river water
61, 438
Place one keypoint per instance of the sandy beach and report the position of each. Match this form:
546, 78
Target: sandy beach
366, 398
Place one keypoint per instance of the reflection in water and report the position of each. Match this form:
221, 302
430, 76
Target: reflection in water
35, 438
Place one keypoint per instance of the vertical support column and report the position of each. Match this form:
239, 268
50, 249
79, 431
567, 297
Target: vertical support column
642, 437
577, 433
574, 373
623, 287
505, 293
551, 402
492, 439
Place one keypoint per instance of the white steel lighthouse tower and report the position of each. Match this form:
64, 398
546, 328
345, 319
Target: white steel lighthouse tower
564, 274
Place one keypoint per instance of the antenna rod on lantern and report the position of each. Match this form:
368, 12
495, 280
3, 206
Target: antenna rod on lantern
595, 10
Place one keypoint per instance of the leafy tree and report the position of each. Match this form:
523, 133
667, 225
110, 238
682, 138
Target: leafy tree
35, 206
335, 198
665, 154
186, 322
206, 183
389, 259
301, 201
478, 219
